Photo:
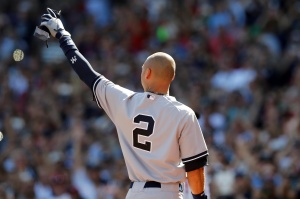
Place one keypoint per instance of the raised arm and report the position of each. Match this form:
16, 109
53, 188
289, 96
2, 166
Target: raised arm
106, 93
80, 65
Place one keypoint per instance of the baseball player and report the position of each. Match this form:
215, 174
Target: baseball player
160, 138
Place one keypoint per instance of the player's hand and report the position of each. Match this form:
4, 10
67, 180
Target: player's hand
54, 24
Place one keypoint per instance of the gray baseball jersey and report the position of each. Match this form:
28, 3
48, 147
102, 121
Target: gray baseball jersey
156, 133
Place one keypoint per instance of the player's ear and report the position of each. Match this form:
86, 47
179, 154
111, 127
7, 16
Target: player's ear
173, 77
148, 73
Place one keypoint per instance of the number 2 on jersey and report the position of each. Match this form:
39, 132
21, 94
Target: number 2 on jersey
144, 132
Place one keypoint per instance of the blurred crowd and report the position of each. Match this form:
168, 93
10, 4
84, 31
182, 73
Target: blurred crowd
238, 67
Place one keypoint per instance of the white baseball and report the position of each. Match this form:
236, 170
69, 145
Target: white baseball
1, 136
18, 55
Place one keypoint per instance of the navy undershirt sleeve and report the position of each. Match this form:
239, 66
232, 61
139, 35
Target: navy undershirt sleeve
196, 162
80, 65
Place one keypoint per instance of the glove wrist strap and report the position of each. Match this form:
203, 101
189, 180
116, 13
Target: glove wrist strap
199, 196
62, 33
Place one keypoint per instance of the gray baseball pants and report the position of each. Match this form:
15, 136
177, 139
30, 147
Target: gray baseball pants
167, 191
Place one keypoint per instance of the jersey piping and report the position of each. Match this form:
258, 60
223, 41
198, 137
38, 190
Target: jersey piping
185, 160
94, 91
196, 162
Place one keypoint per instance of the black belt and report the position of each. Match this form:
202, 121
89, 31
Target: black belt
153, 184
149, 184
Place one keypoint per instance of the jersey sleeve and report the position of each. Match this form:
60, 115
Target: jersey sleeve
193, 148
109, 96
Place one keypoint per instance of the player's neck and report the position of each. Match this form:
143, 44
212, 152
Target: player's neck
158, 92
